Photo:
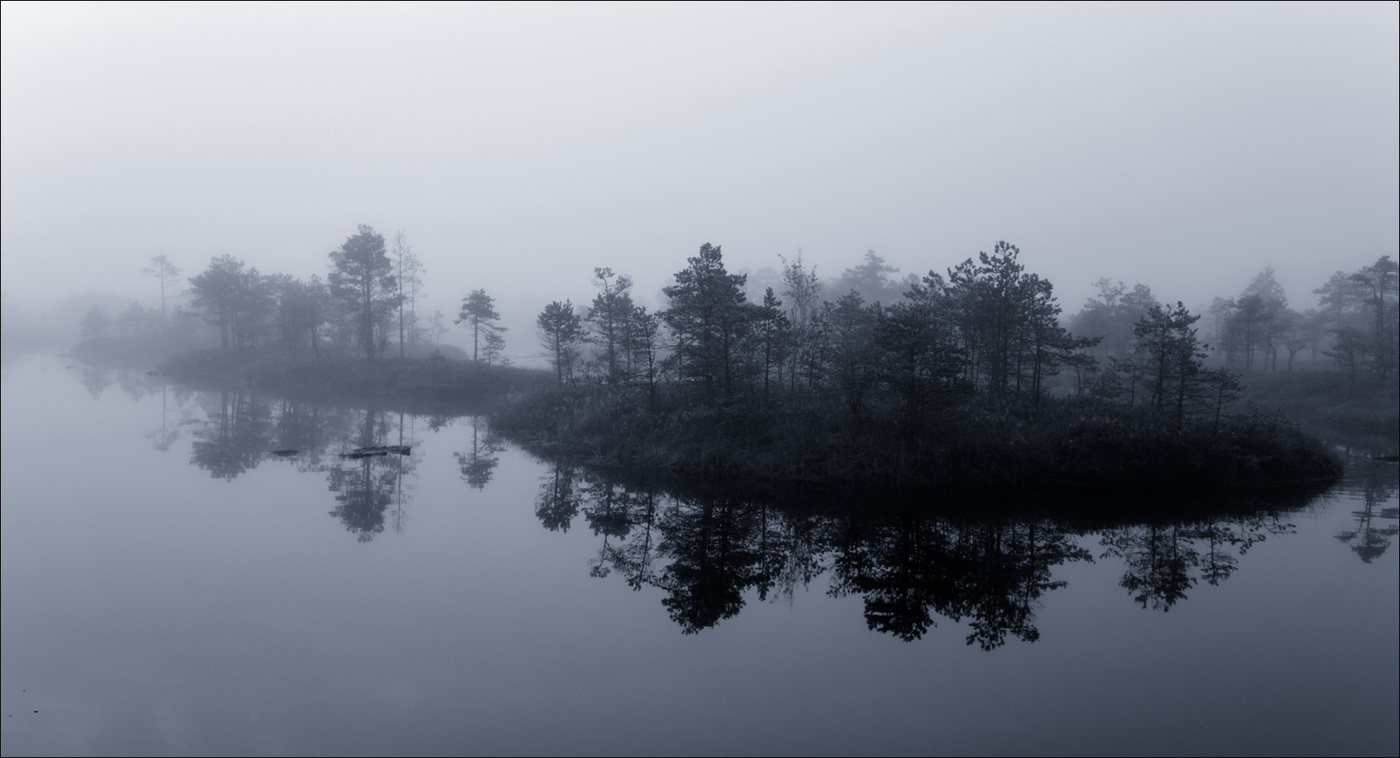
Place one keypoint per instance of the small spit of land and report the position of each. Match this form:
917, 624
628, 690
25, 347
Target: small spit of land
1062, 444
438, 380
1059, 443
970, 379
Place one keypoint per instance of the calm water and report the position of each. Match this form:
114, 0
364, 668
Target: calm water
170, 586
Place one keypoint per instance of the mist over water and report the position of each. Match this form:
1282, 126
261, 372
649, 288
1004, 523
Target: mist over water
173, 585
519, 148
1003, 254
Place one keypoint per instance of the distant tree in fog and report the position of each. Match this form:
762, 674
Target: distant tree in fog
409, 268
238, 301
437, 326
362, 280
304, 308
561, 334
644, 349
873, 280
95, 324
1379, 285
161, 268
1111, 314
803, 291
479, 314
1255, 322
610, 317
491, 351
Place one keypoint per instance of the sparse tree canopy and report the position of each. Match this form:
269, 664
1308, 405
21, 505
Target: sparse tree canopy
561, 334
479, 314
1171, 357
610, 317
161, 268
407, 268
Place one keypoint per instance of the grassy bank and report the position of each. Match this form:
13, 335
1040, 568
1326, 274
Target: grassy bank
1362, 411
1063, 445
432, 378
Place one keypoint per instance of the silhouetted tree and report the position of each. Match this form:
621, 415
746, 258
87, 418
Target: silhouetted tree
921, 357
994, 299
1379, 285
774, 333
611, 319
362, 280
1170, 356
852, 356
561, 334
491, 351
478, 313
711, 321
803, 290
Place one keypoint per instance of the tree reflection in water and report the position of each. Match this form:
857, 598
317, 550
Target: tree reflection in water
911, 563
1165, 560
712, 543
169, 432
989, 572
479, 463
558, 500
365, 484
1376, 525
235, 437
242, 430
710, 548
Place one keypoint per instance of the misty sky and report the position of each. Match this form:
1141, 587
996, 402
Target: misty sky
520, 146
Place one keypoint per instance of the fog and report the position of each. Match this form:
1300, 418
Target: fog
520, 146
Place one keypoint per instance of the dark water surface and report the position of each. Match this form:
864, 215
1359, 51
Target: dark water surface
170, 586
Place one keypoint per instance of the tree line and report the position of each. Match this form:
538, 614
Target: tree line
368, 305
370, 294
988, 328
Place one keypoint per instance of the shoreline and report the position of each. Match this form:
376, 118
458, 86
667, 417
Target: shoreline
1069, 447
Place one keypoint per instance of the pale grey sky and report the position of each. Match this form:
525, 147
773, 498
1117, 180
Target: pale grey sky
519, 146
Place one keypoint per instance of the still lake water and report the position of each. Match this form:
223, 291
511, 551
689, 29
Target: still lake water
172, 587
